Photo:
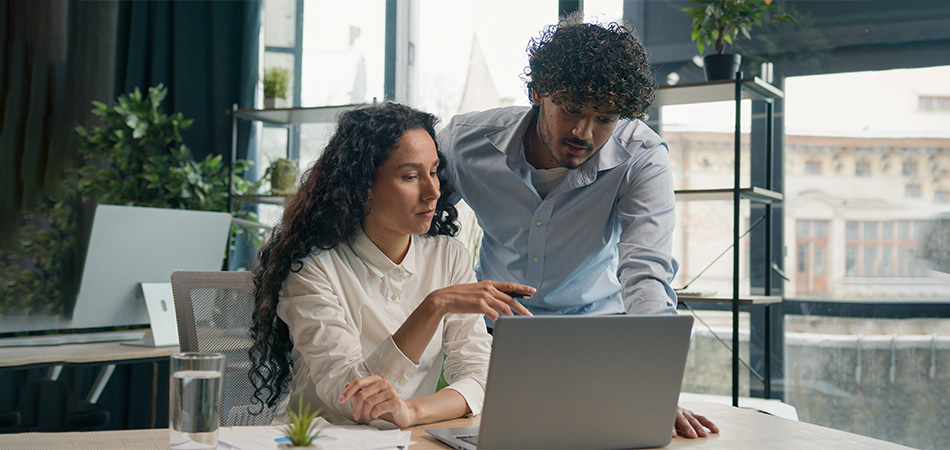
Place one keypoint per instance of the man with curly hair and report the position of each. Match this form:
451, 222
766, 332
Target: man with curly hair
575, 194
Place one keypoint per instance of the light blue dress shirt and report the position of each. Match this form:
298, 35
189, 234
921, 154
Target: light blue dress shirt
599, 243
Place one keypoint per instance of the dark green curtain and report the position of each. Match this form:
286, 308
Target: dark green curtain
205, 52
56, 56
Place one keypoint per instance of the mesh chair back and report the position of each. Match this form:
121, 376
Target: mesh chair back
214, 315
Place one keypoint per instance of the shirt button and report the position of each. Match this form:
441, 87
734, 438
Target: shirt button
398, 270
538, 223
392, 297
536, 258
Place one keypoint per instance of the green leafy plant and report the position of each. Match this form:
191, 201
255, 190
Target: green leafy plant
133, 156
276, 82
303, 426
719, 22
136, 157
36, 270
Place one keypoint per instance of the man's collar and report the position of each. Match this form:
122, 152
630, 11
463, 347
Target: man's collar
509, 136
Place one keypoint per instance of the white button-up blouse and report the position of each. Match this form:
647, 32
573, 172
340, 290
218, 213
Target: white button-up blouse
343, 306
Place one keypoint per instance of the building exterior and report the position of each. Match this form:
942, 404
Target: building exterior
857, 213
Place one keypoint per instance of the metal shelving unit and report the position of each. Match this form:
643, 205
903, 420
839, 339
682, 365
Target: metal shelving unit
736, 90
290, 118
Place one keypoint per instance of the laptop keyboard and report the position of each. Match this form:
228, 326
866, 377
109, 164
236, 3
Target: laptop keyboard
472, 439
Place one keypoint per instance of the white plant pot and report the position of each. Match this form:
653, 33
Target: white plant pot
272, 103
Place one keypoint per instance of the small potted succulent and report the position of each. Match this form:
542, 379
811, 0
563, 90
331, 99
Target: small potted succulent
719, 22
276, 82
302, 429
282, 173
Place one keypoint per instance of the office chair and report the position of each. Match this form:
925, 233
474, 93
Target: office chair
214, 315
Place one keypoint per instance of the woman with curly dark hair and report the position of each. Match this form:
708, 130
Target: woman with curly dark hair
361, 289
580, 203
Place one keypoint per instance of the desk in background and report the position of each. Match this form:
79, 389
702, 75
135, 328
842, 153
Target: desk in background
742, 429
145, 367
88, 353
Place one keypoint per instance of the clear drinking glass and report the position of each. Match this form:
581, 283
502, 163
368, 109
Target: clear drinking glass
194, 409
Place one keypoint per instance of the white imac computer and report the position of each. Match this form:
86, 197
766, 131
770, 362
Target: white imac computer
129, 246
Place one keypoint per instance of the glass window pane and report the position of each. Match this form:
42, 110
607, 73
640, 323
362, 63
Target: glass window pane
819, 266
285, 60
314, 137
851, 230
801, 228
280, 20
851, 261
903, 229
802, 258
344, 52
862, 169
920, 229
869, 254
820, 228
886, 262
870, 231
912, 190
471, 54
872, 362
273, 146
909, 168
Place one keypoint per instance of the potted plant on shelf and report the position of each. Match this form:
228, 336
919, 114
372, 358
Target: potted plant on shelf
719, 22
276, 81
282, 173
303, 427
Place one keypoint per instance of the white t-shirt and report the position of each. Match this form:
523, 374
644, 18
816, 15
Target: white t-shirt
544, 180
343, 306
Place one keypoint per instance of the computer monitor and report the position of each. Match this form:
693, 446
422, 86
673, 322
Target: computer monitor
130, 245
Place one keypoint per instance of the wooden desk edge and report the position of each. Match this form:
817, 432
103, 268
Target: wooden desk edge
81, 353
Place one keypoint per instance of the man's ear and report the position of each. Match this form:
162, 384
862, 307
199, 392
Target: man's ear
536, 98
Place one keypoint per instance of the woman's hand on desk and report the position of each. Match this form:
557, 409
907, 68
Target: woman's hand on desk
490, 298
374, 397
691, 425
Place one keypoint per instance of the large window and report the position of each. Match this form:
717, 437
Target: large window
855, 361
865, 248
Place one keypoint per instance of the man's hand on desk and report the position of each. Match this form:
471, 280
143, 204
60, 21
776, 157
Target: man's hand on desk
691, 425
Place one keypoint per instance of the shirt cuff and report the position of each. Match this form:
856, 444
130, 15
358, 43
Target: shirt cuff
473, 394
390, 363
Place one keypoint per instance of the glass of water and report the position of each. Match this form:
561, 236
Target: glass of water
194, 407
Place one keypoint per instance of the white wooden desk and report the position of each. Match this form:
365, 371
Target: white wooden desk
105, 355
741, 429
90, 353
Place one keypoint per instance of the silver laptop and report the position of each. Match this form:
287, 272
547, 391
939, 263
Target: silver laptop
573, 382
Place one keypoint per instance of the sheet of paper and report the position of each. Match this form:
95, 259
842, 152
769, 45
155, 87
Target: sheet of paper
332, 437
